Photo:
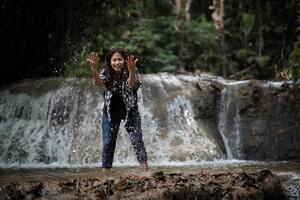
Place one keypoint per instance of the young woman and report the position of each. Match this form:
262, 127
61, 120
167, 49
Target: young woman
120, 81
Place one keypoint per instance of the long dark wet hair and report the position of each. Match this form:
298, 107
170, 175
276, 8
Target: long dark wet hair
109, 71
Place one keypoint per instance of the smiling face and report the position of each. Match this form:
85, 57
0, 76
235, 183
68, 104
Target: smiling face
117, 62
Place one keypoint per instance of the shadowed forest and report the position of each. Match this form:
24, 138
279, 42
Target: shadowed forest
235, 39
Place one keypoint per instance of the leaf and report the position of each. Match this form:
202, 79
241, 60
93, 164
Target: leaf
262, 60
248, 22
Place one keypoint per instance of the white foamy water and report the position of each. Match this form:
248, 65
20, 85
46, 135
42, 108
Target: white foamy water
57, 122
222, 120
61, 126
170, 131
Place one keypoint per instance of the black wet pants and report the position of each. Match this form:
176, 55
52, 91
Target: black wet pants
110, 132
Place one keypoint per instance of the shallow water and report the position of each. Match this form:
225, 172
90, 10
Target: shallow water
286, 170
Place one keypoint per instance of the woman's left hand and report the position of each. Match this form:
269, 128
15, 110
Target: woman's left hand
131, 63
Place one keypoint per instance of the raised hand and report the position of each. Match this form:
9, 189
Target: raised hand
93, 60
131, 63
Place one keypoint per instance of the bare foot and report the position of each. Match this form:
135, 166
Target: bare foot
144, 166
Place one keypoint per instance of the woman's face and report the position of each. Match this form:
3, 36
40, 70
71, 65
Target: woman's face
117, 62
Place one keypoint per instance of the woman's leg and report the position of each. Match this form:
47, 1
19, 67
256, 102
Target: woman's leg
109, 136
133, 127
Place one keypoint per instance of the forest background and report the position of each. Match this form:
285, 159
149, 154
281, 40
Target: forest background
249, 39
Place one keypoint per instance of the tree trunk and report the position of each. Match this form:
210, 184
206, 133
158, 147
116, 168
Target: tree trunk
178, 7
260, 29
140, 7
182, 9
187, 9
217, 16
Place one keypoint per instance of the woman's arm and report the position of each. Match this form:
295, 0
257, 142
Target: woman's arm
131, 65
94, 60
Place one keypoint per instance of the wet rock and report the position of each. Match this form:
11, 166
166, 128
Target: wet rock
121, 183
96, 184
159, 175
262, 119
260, 185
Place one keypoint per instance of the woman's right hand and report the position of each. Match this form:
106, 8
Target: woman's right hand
93, 60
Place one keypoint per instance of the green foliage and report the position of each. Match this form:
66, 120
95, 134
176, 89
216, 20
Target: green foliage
78, 67
162, 44
294, 57
164, 41
168, 44
247, 22
57, 41
261, 61
247, 25
196, 44
294, 60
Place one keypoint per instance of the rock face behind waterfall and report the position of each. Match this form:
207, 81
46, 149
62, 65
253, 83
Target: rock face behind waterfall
261, 119
186, 118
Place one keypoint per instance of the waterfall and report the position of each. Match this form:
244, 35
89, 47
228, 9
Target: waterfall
57, 122
229, 119
40, 127
186, 119
224, 104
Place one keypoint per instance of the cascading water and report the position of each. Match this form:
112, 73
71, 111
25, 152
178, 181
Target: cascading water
39, 125
185, 119
58, 123
222, 116
229, 119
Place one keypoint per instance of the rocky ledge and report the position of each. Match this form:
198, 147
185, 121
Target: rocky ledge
203, 185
